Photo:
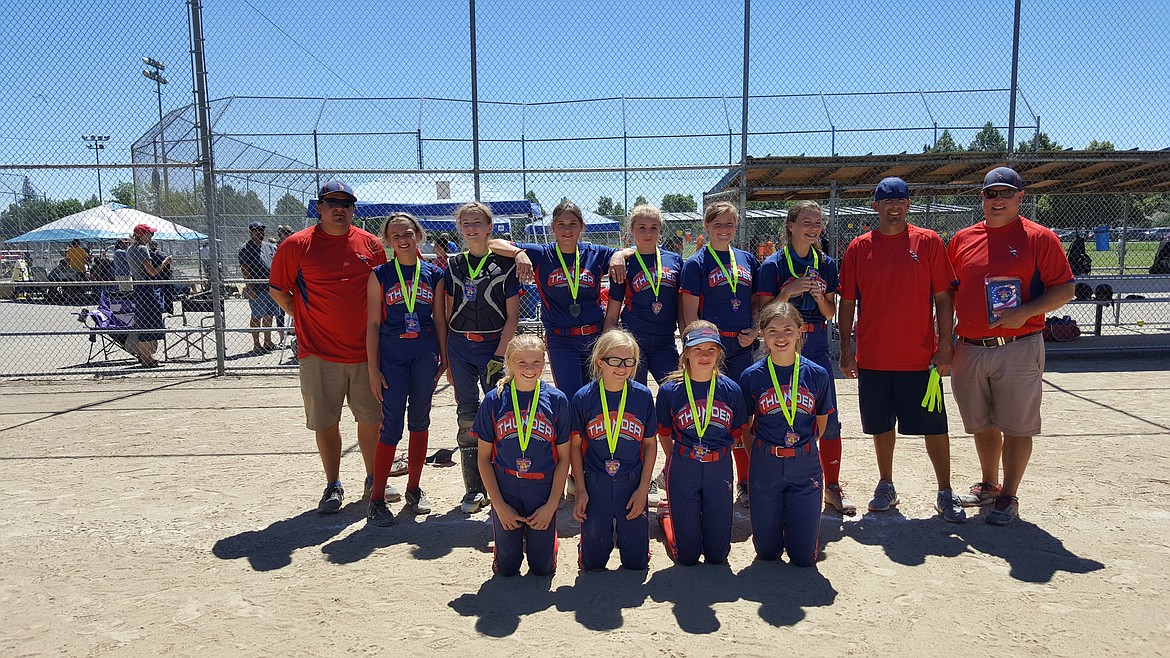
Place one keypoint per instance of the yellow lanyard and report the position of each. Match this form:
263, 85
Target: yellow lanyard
522, 433
474, 271
701, 424
733, 278
789, 414
792, 270
655, 281
408, 297
611, 433
574, 281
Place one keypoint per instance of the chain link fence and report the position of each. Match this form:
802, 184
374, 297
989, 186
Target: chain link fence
207, 116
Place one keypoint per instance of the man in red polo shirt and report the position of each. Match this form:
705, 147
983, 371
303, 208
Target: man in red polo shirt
899, 278
1011, 272
319, 277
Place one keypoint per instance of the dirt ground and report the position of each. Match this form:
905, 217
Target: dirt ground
148, 516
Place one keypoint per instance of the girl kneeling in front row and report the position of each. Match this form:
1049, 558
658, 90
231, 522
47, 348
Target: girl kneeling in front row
613, 451
523, 428
790, 399
703, 413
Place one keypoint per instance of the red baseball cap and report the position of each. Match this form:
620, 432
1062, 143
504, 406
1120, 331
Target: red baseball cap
144, 228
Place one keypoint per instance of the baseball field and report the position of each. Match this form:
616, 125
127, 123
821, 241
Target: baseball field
158, 516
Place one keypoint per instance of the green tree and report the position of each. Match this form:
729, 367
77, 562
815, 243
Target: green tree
123, 193
946, 144
640, 201
92, 202
1039, 142
1102, 145
989, 139
679, 203
606, 207
289, 210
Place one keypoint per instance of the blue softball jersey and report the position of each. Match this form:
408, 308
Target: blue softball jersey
495, 423
774, 273
638, 422
703, 278
553, 284
643, 312
814, 397
393, 301
728, 412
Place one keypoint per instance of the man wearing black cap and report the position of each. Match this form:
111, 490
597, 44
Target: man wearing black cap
319, 277
900, 275
252, 266
1011, 272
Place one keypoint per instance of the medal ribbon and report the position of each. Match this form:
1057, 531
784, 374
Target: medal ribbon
574, 281
789, 414
655, 282
474, 271
733, 278
792, 270
700, 424
611, 433
525, 435
408, 297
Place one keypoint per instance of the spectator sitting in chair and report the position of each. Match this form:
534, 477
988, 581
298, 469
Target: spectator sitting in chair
252, 266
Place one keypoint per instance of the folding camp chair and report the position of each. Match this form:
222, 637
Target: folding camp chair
114, 312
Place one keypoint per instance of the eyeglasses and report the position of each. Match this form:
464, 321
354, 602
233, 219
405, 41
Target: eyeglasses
619, 362
337, 203
1001, 193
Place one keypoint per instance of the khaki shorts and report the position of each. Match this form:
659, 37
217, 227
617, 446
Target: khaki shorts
999, 387
326, 386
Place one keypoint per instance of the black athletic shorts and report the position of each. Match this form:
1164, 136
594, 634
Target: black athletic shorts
886, 396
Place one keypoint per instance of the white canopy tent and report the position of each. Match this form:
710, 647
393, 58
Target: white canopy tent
112, 221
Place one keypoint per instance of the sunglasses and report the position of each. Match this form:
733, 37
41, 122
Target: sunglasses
337, 203
619, 362
1002, 194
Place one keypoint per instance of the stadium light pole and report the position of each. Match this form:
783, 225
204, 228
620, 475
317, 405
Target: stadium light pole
97, 143
159, 80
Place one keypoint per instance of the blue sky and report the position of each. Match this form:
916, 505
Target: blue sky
1087, 74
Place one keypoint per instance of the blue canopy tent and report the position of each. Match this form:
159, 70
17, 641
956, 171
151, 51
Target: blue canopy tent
440, 216
594, 223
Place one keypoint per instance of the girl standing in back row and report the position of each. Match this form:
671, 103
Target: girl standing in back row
806, 277
406, 345
717, 286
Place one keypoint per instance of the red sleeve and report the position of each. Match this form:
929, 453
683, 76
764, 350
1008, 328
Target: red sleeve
848, 275
952, 249
285, 264
378, 252
942, 273
1051, 259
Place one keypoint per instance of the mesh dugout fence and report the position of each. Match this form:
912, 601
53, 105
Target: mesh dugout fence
610, 106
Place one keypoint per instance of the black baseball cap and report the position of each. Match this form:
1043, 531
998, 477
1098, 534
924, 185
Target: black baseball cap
335, 186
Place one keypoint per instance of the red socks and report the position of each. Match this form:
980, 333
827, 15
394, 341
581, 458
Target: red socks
831, 460
383, 460
742, 463
416, 458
